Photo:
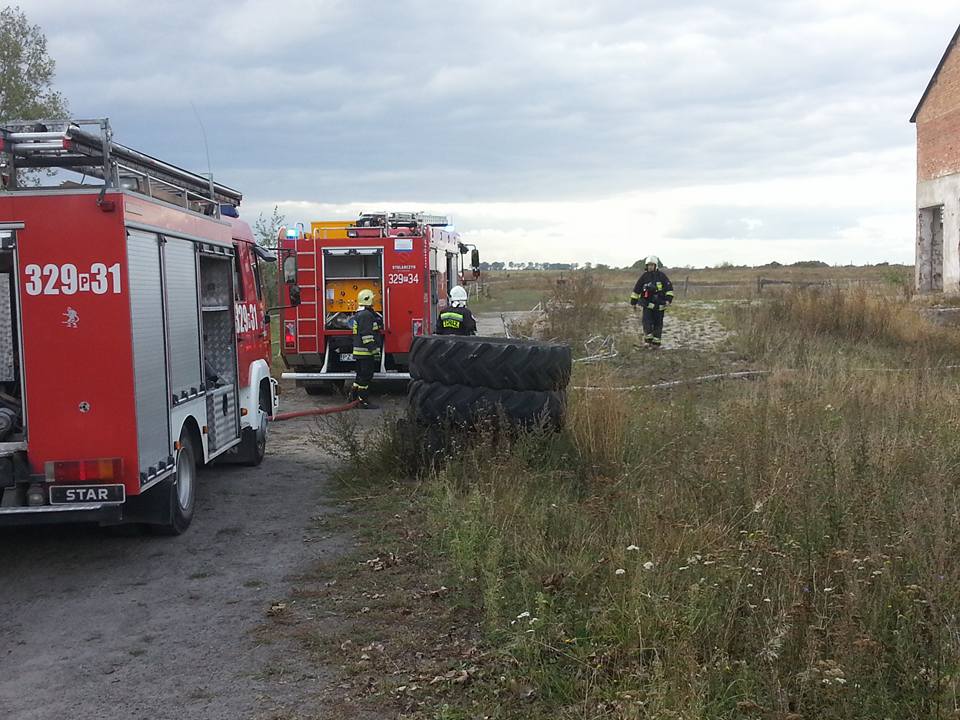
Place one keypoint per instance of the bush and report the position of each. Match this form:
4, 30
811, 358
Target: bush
576, 308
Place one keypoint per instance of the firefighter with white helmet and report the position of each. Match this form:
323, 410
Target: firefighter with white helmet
654, 293
367, 346
457, 319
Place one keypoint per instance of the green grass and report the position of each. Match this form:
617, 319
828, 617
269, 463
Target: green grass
782, 548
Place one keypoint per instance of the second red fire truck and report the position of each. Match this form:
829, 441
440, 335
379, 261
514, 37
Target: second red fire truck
409, 260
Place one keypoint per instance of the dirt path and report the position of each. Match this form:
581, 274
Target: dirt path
691, 325
142, 627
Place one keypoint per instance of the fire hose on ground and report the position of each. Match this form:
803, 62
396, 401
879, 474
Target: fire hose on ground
315, 411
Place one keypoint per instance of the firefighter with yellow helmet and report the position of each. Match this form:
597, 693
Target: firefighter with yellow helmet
367, 328
654, 293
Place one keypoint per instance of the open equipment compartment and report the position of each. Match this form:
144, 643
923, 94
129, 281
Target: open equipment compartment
219, 348
345, 273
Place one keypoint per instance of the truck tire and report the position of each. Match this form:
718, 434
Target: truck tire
314, 388
433, 402
253, 446
497, 363
179, 492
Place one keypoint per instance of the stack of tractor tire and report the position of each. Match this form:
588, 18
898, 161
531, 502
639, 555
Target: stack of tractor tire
467, 381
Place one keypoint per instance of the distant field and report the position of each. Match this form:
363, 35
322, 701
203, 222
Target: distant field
521, 290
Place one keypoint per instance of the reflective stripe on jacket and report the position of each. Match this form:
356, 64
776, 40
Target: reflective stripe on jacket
456, 321
652, 288
367, 328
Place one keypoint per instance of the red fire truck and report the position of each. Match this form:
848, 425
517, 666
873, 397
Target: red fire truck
134, 344
409, 260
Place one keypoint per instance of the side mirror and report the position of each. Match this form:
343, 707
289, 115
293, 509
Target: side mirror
290, 270
294, 295
475, 259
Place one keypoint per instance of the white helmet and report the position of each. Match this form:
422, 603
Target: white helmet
458, 296
652, 260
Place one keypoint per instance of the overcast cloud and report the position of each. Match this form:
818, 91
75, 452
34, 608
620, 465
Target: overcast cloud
732, 130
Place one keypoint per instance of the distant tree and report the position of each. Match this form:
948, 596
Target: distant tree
601, 266
587, 266
265, 231
26, 71
266, 228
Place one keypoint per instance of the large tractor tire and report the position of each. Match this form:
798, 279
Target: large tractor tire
498, 363
433, 403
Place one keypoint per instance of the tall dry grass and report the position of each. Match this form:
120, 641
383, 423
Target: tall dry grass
781, 549
804, 325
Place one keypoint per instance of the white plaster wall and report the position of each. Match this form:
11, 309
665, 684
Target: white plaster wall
945, 191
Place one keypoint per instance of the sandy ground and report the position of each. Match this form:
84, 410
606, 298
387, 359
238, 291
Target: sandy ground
95, 626
490, 324
696, 328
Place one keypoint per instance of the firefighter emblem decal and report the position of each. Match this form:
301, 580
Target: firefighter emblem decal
72, 318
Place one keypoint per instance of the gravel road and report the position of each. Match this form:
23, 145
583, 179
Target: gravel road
94, 626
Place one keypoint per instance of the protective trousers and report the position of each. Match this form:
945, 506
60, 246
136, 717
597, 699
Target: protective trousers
366, 367
652, 326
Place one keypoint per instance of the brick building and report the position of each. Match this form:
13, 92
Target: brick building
937, 118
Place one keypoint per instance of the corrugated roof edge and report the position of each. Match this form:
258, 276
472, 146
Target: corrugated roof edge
933, 78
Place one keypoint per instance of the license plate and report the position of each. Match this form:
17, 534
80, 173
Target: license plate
346, 357
68, 494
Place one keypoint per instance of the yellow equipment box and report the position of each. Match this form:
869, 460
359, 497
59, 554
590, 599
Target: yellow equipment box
329, 229
341, 295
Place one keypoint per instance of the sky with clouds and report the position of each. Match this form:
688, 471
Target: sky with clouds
704, 131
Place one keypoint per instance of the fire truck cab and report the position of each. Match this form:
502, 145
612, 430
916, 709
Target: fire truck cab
409, 260
134, 343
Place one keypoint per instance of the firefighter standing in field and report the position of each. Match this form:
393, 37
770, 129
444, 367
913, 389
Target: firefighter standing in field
457, 319
367, 346
653, 292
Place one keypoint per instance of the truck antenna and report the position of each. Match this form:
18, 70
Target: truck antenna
203, 133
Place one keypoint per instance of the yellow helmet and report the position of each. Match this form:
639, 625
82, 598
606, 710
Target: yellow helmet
365, 298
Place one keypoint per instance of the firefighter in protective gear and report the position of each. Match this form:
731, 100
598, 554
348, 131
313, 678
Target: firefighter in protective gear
367, 345
654, 293
457, 319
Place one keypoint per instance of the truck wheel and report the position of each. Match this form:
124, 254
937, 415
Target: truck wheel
253, 447
463, 405
180, 491
318, 388
498, 363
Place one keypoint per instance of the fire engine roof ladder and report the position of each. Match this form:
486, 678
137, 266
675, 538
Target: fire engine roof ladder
403, 218
64, 144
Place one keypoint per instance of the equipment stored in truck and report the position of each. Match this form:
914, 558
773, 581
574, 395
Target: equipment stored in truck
134, 341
